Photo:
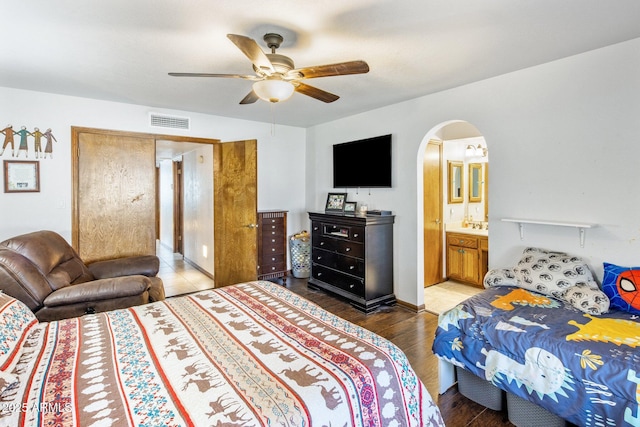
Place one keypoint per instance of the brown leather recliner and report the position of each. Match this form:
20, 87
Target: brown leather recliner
42, 270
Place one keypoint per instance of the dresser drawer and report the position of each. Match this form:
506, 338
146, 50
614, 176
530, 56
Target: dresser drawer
345, 247
271, 241
272, 230
462, 240
343, 281
272, 267
346, 232
346, 264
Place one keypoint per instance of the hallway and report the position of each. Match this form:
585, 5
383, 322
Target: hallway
179, 276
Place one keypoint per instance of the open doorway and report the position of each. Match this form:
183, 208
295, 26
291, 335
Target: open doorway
217, 216
171, 157
453, 171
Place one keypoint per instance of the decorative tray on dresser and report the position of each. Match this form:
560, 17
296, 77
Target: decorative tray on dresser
352, 256
272, 244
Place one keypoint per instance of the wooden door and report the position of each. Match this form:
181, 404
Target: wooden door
114, 194
432, 221
235, 212
178, 208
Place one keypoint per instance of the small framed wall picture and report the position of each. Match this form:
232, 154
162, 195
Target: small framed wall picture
21, 176
350, 207
335, 202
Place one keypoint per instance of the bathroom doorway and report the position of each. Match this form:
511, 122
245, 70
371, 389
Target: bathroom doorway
466, 208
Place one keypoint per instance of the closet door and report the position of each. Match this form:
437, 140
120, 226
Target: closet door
114, 194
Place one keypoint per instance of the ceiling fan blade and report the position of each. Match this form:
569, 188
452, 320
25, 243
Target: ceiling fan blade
234, 76
314, 92
250, 98
250, 48
340, 69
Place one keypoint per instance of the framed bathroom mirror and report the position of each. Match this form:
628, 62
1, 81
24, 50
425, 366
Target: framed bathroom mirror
456, 186
475, 182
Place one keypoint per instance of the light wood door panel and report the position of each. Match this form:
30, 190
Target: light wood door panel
116, 195
235, 212
432, 221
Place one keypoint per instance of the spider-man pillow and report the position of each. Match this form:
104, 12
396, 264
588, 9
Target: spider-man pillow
622, 286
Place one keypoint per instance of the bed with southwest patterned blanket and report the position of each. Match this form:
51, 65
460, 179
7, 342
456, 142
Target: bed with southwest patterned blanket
563, 353
250, 354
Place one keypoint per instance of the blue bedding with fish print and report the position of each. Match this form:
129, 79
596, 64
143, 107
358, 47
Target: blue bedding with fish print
583, 368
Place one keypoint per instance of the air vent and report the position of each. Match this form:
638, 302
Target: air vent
164, 121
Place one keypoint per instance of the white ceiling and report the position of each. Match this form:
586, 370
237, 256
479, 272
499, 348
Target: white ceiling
122, 50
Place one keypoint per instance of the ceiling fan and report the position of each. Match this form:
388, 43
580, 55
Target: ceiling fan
276, 77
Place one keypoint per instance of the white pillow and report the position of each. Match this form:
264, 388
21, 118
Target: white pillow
592, 301
552, 273
500, 277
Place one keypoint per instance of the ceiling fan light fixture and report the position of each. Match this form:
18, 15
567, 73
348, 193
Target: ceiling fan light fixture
273, 90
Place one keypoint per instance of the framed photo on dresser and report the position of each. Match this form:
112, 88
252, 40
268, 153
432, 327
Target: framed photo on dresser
335, 202
350, 207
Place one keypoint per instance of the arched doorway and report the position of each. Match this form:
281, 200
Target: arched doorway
453, 140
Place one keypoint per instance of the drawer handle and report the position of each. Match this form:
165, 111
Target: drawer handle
351, 267
355, 234
461, 241
273, 240
273, 268
315, 228
319, 258
319, 274
321, 243
273, 226
351, 286
273, 259
347, 249
273, 249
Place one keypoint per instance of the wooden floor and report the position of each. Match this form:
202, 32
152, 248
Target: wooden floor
413, 333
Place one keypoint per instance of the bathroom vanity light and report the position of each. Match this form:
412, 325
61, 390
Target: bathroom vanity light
478, 150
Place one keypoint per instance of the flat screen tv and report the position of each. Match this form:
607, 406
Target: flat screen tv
365, 163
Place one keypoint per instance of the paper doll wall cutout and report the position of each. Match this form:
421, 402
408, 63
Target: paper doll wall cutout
23, 142
8, 139
37, 146
49, 147
23, 146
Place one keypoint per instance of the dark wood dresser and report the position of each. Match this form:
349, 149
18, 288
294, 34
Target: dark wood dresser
352, 256
272, 244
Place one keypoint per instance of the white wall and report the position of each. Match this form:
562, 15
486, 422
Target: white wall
280, 155
198, 207
166, 203
564, 144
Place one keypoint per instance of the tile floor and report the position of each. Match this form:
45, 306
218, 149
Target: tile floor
446, 295
178, 276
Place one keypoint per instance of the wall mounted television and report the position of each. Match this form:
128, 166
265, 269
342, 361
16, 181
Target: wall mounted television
365, 163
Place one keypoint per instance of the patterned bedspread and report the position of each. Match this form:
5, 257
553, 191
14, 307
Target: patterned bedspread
245, 355
585, 369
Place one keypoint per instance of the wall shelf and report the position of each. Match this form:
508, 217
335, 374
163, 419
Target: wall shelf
581, 226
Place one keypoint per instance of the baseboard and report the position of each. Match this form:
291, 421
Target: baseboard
197, 267
411, 307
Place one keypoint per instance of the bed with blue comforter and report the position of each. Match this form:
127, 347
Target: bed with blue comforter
584, 368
